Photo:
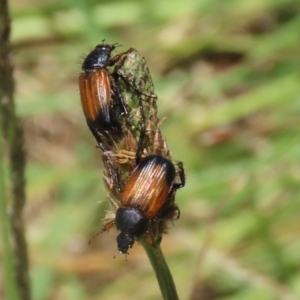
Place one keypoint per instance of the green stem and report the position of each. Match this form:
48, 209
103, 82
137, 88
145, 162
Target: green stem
161, 269
10, 285
12, 132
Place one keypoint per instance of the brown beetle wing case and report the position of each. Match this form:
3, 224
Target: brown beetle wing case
149, 185
95, 94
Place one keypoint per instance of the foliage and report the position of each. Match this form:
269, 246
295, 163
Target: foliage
227, 78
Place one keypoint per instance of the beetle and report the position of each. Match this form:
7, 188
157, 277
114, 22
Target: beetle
145, 194
101, 99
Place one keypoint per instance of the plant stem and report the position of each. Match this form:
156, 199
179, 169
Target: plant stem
161, 269
10, 285
13, 135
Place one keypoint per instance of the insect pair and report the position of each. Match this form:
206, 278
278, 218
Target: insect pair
148, 193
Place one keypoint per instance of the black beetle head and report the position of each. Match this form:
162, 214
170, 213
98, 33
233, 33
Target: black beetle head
98, 58
124, 241
131, 223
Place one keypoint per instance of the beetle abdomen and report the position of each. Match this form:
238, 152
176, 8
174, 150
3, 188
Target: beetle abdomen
96, 98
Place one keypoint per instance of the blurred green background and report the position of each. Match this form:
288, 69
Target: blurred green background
227, 78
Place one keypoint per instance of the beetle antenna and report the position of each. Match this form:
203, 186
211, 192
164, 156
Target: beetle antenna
117, 45
119, 252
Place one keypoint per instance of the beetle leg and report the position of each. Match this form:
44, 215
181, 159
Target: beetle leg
170, 212
177, 215
116, 93
107, 226
134, 88
140, 149
113, 202
181, 175
112, 171
97, 137
117, 57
